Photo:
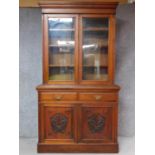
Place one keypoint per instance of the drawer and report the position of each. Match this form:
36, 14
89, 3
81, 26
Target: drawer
98, 96
58, 96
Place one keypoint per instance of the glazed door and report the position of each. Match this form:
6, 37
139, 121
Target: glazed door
78, 49
96, 58
60, 48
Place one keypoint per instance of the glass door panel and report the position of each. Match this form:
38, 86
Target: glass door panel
61, 48
95, 48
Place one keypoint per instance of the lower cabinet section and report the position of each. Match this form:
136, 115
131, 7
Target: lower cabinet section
79, 126
78, 122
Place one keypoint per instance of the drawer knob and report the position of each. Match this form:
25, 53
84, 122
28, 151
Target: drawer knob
97, 97
58, 98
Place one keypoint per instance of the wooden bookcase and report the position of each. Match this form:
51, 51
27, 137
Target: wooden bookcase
78, 100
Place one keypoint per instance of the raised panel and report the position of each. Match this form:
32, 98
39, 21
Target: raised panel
59, 124
96, 124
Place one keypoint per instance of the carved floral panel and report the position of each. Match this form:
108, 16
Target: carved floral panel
96, 123
59, 123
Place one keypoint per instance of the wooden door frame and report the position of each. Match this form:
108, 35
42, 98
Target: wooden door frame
111, 49
46, 49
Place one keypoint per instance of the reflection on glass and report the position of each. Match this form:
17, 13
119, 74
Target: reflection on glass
63, 38
95, 49
95, 23
62, 73
61, 48
61, 23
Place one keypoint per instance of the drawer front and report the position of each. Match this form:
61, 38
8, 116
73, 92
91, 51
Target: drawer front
98, 96
58, 96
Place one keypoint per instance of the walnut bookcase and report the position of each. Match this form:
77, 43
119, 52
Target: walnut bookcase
78, 100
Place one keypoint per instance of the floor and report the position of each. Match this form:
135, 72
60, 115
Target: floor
28, 147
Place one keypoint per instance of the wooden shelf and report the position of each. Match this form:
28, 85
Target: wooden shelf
100, 46
96, 29
51, 65
61, 29
67, 45
73, 65
95, 66
102, 52
60, 52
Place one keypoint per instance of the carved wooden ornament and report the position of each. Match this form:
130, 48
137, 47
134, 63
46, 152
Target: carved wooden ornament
96, 123
59, 122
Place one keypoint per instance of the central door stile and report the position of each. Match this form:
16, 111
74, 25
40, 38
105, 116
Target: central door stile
77, 49
78, 123
80, 48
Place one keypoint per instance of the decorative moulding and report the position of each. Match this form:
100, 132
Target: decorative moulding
35, 3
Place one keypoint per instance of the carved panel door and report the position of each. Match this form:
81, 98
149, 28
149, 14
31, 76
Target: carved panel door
59, 123
96, 123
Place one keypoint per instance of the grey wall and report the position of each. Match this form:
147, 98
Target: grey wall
125, 68
31, 69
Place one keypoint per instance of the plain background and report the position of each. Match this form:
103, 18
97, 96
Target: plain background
30, 49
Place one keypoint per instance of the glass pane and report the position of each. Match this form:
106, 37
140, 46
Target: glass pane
95, 23
95, 49
61, 48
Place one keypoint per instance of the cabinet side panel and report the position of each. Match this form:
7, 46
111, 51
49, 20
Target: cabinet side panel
111, 56
45, 48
